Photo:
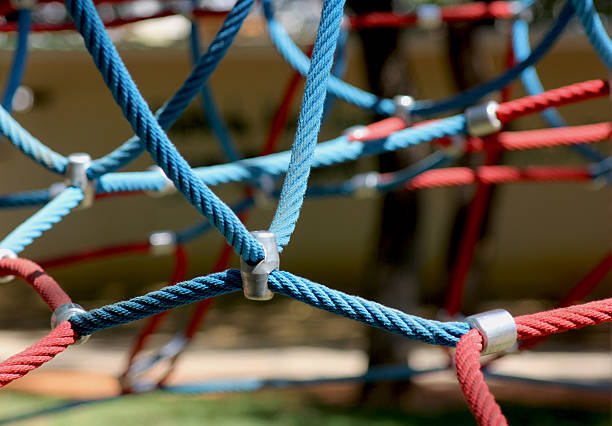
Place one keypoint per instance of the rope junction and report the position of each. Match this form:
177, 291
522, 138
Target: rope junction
450, 137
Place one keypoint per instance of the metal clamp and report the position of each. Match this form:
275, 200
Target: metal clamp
481, 120
7, 254
168, 184
76, 176
429, 16
355, 132
63, 313
403, 108
162, 243
255, 277
365, 185
498, 330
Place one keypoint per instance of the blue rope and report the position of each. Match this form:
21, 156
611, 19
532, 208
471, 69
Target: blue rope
25, 199
169, 113
340, 65
301, 289
209, 107
328, 153
42, 220
309, 123
19, 58
374, 374
147, 128
533, 86
594, 29
296, 58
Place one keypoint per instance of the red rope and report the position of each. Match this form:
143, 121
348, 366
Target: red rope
476, 392
95, 254
454, 176
33, 357
56, 341
450, 14
508, 111
46, 287
578, 92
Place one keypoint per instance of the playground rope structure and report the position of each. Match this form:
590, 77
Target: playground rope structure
322, 67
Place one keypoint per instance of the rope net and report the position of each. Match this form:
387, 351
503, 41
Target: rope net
449, 137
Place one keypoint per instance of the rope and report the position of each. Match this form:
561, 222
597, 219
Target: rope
146, 127
170, 112
301, 289
309, 123
20, 56
42, 220
532, 85
480, 400
33, 357
462, 13
454, 176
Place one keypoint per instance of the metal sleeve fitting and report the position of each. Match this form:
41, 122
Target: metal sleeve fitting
168, 184
255, 277
63, 313
162, 243
481, 120
7, 254
76, 176
498, 330
403, 108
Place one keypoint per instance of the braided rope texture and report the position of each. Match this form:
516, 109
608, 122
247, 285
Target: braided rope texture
564, 319
41, 221
471, 380
46, 287
309, 123
195, 82
578, 92
145, 126
33, 357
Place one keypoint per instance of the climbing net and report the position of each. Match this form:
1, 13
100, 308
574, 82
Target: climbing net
480, 128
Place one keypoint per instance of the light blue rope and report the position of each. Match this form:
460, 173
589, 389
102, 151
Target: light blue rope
309, 123
42, 220
147, 128
209, 107
533, 86
20, 56
301, 289
169, 113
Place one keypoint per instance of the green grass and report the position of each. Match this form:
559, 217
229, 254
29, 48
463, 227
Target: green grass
264, 408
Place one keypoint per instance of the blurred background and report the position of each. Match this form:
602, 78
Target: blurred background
540, 239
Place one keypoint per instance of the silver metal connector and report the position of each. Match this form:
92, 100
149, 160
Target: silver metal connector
7, 254
403, 108
162, 243
168, 187
429, 16
481, 120
498, 330
255, 277
63, 313
76, 176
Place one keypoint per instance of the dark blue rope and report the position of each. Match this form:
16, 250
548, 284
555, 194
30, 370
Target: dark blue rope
209, 107
301, 289
147, 128
20, 56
